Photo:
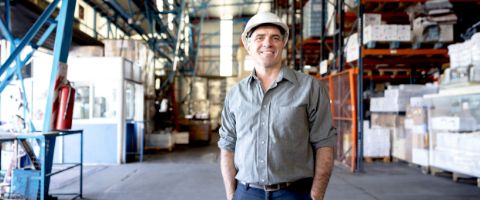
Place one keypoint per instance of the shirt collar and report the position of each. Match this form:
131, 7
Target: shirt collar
285, 73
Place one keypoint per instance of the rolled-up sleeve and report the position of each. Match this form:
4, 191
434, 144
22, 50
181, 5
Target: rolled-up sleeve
322, 132
228, 136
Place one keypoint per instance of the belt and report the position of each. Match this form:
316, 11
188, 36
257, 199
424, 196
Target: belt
268, 188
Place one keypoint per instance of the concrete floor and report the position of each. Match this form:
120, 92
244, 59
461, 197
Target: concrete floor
193, 173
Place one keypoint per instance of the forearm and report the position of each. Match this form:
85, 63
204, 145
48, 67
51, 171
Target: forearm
228, 172
323, 171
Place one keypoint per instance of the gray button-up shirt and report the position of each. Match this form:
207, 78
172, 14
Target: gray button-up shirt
273, 134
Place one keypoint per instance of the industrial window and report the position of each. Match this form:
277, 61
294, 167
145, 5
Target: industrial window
81, 12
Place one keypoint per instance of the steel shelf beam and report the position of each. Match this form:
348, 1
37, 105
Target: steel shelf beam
415, 1
404, 52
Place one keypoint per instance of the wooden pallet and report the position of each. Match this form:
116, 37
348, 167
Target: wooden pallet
394, 72
157, 148
399, 160
405, 45
456, 177
424, 169
386, 159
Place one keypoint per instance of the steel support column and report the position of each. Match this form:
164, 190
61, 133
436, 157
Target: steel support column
179, 31
322, 30
360, 92
341, 15
302, 56
294, 36
63, 39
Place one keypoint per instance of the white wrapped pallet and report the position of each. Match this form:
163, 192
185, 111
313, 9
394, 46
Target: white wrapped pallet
351, 48
397, 97
416, 126
401, 144
475, 51
458, 153
376, 142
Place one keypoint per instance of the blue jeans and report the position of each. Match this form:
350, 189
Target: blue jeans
298, 192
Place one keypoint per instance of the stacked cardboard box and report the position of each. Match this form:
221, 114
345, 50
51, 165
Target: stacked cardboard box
312, 15
416, 126
465, 53
432, 22
161, 140
376, 141
386, 33
351, 5
351, 47
454, 123
86, 51
394, 124
371, 19
181, 137
457, 152
427, 31
397, 97
133, 50
374, 31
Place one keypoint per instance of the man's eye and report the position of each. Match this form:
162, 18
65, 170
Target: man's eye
276, 38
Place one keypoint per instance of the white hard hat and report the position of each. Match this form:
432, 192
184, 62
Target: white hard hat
264, 18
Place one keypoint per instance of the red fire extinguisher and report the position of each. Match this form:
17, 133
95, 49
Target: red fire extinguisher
65, 111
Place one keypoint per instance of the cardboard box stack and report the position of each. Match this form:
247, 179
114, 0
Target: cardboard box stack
351, 5
86, 51
375, 31
465, 53
416, 126
133, 50
432, 22
464, 62
386, 33
454, 127
387, 112
351, 47
161, 140
396, 98
456, 152
393, 124
376, 141
312, 15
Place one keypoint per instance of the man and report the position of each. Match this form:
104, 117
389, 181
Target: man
277, 137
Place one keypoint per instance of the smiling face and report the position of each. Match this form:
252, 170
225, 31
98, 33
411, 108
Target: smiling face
265, 46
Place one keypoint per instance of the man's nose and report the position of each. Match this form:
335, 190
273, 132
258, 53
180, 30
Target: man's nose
267, 42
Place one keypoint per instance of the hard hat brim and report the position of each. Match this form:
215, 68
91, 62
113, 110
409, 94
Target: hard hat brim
254, 26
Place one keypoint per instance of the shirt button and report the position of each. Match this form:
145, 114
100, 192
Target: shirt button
261, 161
265, 106
263, 142
263, 123
263, 180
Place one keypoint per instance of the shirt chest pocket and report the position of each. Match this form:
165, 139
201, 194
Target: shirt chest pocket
289, 121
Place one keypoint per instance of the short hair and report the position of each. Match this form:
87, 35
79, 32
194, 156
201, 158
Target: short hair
282, 31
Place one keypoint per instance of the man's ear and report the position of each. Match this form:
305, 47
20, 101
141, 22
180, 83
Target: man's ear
247, 47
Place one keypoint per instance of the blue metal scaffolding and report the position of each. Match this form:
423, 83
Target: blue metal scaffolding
63, 24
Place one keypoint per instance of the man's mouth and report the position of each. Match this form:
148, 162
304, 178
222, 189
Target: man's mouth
267, 52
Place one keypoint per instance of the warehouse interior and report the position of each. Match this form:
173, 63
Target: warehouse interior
122, 99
